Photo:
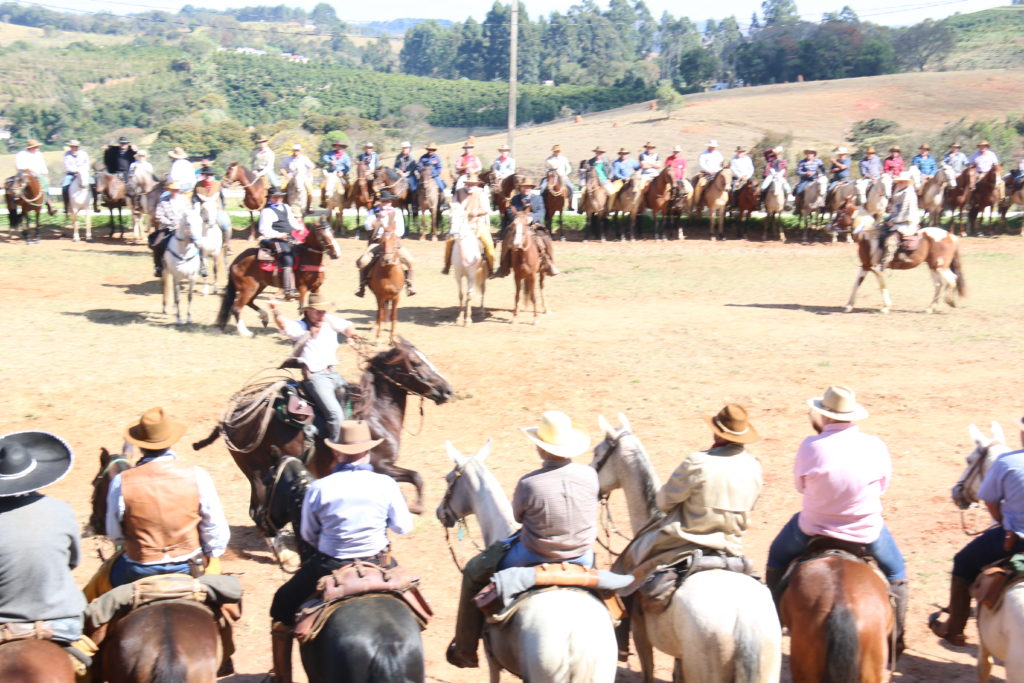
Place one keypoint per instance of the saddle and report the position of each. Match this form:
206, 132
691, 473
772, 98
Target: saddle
658, 588
909, 244
353, 581
546, 577
290, 406
29, 630
997, 578
826, 546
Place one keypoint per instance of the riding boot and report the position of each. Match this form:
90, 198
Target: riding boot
288, 280
548, 261
622, 630
203, 272
364, 276
64, 191
323, 197
281, 651
408, 280
952, 631
49, 208
772, 579
447, 257
506, 263
900, 592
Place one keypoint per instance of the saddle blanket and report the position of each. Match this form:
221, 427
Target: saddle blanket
211, 589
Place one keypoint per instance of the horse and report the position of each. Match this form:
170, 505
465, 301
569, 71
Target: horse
387, 380
35, 661
360, 194
876, 201
556, 635
428, 200
386, 178
658, 199
628, 200
211, 245
958, 198
985, 198
834, 201
297, 193
594, 204
774, 204
1000, 630
247, 278
112, 192
933, 194
79, 202
680, 205
1014, 196
255, 191
716, 197
25, 195
525, 260
143, 195
810, 200
182, 258
556, 198
386, 280
747, 198
374, 638
502, 191
468, 266
719, 625
938, 248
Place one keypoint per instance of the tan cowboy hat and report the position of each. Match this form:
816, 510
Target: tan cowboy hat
840, 403
32, 143
712, 143
296, 146
842, 150
599, 150
431, 146
731, 424
983, 143
141, 153
468, 144
473, 179
354, 438
526, 181
925, 147
172, 186
957, 145
155, 430
558, 436
650, 145
74, 143
556, 148
903, 177
368, 145
261, 139
741, 148
778, 149
623, 150
177, 153
677, 148
869, 150
504, 148
319, 302
339, 143
895, 148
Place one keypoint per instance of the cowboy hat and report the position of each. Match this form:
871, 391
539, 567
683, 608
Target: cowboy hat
296, 146
650, 145
810, 151
526, 181
926, 147
155, 430
368, 145
842, 150
431, 146
712, 143
319, 302
31, 143
405, 143
903, 177
677, 148
261, 139
599, 150
730, 424
276, 191
207, 170
32, 460
338, 143
386, 196
741, 148
984, 143
354, 438
558, 436
956, 144
141, 153
840, 403
123, 141
177, 153
895, 148
504, 148
869, 150
74, 143
622, 150
172, 186
777, 149
468, 144
556, 148
473, 179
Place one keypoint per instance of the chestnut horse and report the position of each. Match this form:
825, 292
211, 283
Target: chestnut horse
385, 178
255, 191
658, 198
24, 195
628, 200
958, 198
526, 266
247, 278
593, 204
428, 200
360, 193
386, 279
112, 193
984, 199
748, 196
35, 661
837, 609
556, 198
716, 197
836, 198
380, 398
502, 191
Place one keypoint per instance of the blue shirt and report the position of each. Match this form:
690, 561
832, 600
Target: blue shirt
334, 163
370, 159
434, 162
810, 168
841, 174
871, 168
623, 169
926, 164
347, 514
531, 202
1004, 484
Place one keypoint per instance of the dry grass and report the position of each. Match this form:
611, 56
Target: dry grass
57, 38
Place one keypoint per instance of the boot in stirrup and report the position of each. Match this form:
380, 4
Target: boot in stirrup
288, 279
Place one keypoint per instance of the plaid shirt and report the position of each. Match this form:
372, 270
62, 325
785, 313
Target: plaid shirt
557, 506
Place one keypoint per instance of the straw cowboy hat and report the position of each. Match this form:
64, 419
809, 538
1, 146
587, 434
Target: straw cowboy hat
296, 147
431, 147
354, 438
810, 151
504, 148
526, 181
468, 144
712, 143
650, 145
172, 185
955, 145
925, 147
32, 143
142, 153
74, 143
558, 436
32, 460
903, 177
842, 150
677, 148
556, 148
177, 153
740, 148
599, 150
473, 179
318, 302
731, 424
623, 150
261, 139
895, 148
778, 149
155, 430
983, 143
869, 150
840, 403
405, 143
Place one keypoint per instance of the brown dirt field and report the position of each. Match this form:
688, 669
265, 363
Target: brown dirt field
662, 332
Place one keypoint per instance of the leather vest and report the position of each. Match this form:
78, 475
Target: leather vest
282, 222
212, 190
161, 516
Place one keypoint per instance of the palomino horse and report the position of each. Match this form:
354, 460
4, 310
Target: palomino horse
25, 195
985, 199
526, 266
428, 200
594, 204
716, 197
181, 263
811, 200
212, 245
297, 193
834, 202
373, 638
747, 197
1000, 630
628, 200
556, 198
774, 204
720, 625
247, 277
938, 248
143, 195
958, 198
380, 398
112, 192
502, 191
35, 661
360, 194
556, 636
79, 203
386, 279
1014, 196
337, 202
468, 264
255, 191
933, 194
658, 199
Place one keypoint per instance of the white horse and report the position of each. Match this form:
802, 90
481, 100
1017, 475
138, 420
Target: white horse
212, 244
467, 263
557, 636
720, 625
80, 202
181, 262
1001, 630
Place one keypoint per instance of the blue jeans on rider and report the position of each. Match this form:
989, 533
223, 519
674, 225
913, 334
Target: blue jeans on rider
519, 556
791, 543
983, 550
801, 185
323, 388
125, 571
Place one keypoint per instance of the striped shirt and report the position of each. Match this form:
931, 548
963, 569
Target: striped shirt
557, 506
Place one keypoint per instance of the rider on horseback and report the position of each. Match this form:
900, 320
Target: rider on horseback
870, 172
840, 168
924, 162
527, 203
117, 160
677, 162
369, 157
384, 217
31, 159
345, 517
956, 159
263, 161
983, 159
476, 217
209, 187
650, 162
742, 167
894, 163
903, 219
808, 170
504, 165
709, 162
337, 164
298, 166
465, 165
557, 507
405, 164
76, 162
170, 211
560, 164
182, 171
842, 474
141, 164
275, 228
775, 165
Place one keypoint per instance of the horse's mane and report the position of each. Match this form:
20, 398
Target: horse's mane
364, 397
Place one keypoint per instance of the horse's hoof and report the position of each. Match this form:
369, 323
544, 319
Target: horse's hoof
848, 309
884, 311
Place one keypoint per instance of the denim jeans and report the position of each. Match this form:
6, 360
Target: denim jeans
519, 556
791, 542
981, 551
125, 571
323, 388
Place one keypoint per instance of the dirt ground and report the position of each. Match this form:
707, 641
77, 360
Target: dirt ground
663, 332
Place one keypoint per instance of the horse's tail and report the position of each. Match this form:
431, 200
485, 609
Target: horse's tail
390, 660
12, 211
842, 646
169, 667
208, 440
226, 301
958, 270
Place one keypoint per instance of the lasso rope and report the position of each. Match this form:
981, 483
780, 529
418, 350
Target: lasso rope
243, 405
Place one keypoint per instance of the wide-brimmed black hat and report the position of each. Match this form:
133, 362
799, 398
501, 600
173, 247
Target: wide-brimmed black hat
207, 170
122, 140
276, 191
30, 461
386, 196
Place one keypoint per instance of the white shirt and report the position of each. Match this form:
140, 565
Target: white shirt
710, 161
183, 172
77, 163
296, 165
31, 161
559, 163
504, 167
319, 352
214, 531
742, 167
143, 166
378, 230
267, 219
347, 514
984, 161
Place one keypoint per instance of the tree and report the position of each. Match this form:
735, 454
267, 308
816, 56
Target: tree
323, 15
496, 40
755, 23
776, 12
924, 43
696, 68
471, 54
378, 55
668, 97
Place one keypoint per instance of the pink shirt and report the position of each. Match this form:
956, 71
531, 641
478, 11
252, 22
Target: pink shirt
842, 473
678, 165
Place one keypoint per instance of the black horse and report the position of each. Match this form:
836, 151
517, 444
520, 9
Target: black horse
374, 639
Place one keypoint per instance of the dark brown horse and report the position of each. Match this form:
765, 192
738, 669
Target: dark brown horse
35, 661
1014, 196
556, 198
502, 191
428, 200
958, 198
658, 198
380, 398
360, 193
112, 192
747, 197
255, 191
25, 195
839, 617
386, 280
593, 204
984, 198
526, 266
248, 277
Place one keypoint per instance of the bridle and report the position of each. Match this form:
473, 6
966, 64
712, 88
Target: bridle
296, 490
607, 523
449, 513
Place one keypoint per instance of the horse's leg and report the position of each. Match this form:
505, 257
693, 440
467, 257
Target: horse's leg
561, 226
404, 476
861, 274
543, 305
531, 294
644, 649
938, 284
886, 299
394, 318
515, 307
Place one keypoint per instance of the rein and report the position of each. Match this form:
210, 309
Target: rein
460, 522
608, 526
368, 360
106, 470
265, 522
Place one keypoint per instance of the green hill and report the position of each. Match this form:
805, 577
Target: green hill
990, 39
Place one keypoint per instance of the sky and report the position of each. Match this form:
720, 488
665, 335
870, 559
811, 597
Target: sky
894, 13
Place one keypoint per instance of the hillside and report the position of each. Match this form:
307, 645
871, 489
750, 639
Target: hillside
989, 39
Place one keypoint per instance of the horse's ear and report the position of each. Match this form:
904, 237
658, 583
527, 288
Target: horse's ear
624, 422
454, 454
605, 425
976, 436
484, 451
997, 432
104, 457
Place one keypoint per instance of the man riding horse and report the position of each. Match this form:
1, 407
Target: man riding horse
870, 172
182, 171
209, 189
262, 162
382, 218
476, 218
925, 164
76, 163
560, 164
650, 162
775, 165
808, 170
405, 165
276, 227
710, 162
466, 164
504, 165
297, 166
336, 164
904, 218
840, 168
170, 211
742, 167
118, 160
31, 159
527, 203
956, 159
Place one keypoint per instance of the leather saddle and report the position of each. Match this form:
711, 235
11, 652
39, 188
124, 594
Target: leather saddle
997, 578
658, 588
826, 546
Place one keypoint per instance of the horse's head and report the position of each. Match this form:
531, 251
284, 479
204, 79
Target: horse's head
520, 232
110, 466
409, 369
320, 236
231, 174
191, 225
986, 450
618, 444
361, 171
947, 174
462, 482
843, 218
284, 489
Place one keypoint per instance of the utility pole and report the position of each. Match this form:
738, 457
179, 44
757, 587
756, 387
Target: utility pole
513, 75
